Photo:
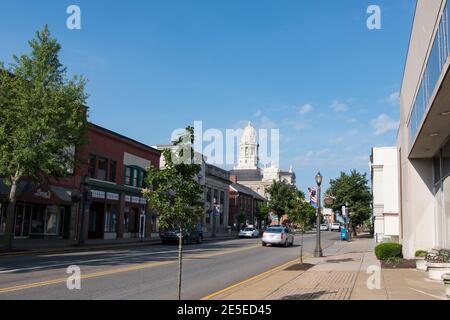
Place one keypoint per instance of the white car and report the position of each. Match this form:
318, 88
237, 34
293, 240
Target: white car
278, 236
335, 227
249, 233
324, 227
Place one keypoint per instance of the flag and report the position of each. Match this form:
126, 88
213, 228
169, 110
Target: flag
312, 192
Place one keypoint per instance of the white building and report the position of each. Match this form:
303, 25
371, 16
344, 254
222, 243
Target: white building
423, 138
248, 172
385, 190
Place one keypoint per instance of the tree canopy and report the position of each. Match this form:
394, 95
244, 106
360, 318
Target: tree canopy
300, 211
353, 189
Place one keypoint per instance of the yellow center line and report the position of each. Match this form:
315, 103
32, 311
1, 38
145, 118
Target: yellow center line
119, 270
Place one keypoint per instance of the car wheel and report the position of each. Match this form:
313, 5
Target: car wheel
264, 244
286, 244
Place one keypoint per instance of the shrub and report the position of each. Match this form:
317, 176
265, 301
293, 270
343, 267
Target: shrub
385, 251
421, 254
394, 261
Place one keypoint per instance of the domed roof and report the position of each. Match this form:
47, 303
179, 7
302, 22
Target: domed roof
249, 135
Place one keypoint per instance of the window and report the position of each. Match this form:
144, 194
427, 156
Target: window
128, 172
102, 169
37, 220
92, 166
112, 170
110, 218
135, 177
222, 208
51, 220
2, 216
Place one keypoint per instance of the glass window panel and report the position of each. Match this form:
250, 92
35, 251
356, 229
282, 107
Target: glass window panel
102, 170
112, 171
92, 164
128, 176
51, 220
110, 218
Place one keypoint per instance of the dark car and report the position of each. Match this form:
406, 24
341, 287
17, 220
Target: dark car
194, 235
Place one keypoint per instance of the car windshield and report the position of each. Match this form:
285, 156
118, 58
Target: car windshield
249, 229
274, 230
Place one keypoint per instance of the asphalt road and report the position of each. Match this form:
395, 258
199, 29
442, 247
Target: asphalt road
148, 273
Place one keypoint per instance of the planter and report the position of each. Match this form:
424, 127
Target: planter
446, 278
421, 264
436, 270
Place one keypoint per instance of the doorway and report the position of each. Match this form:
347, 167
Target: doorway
96, 220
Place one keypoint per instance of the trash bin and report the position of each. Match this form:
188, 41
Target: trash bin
344, 234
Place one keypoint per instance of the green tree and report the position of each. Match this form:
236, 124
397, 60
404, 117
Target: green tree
42, 119
301, 212
354, 190
176, 192
240, 219
280, 197
262, 211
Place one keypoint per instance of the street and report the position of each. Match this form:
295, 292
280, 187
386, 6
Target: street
147, 273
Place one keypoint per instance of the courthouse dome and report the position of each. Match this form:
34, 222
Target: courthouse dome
249, 135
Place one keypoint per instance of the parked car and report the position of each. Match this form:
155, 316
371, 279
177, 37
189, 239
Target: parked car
324, 227
249, 232
335, 227
278, 236
189, 236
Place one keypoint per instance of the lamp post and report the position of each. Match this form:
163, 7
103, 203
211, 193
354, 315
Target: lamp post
318, 251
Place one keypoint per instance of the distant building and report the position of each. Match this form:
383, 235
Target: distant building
386, 193
249, 173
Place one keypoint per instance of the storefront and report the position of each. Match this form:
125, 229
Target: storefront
103, 215
41, 212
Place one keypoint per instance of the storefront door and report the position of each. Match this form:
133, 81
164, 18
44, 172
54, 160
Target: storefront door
23, 221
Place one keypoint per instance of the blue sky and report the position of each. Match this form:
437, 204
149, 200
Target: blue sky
310, 68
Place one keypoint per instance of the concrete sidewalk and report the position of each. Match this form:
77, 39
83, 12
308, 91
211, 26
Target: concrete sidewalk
47, 246
342, 274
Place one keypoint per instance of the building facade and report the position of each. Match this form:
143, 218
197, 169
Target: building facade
248, 171
243, 200
386, 193
111, 169
423, 137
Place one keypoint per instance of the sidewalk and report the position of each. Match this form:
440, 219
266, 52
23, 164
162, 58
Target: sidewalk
341, 275
47, 246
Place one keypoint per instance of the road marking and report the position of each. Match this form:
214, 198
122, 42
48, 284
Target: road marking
261, 275
429, 294
120, 270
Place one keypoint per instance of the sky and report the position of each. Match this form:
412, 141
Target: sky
310, 68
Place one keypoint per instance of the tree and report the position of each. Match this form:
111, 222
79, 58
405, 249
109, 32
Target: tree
42, 119
240, 219
176, 191
353, 189
280, 196
300, 213
262, 211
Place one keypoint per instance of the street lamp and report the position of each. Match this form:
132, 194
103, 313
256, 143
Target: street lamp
318, 251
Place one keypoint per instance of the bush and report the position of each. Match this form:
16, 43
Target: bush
421, 254
388, 251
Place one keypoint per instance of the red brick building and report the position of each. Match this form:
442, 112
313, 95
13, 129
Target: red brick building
112, 167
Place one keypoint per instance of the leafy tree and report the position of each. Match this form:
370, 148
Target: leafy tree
240, 219
176, 192
300, 213
353, 189
262, 211
42, 119
280, 197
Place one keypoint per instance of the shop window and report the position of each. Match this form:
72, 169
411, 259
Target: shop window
38, 220
51, 220
110, 218
126, 220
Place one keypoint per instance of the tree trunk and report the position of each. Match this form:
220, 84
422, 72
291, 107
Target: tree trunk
301, 245
9, 228
180, 262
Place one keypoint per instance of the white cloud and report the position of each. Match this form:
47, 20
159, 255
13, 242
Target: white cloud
393, 99
339, 106
384, 124
307, 108
257, 114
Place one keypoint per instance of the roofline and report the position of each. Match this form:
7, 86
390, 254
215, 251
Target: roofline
118, 135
